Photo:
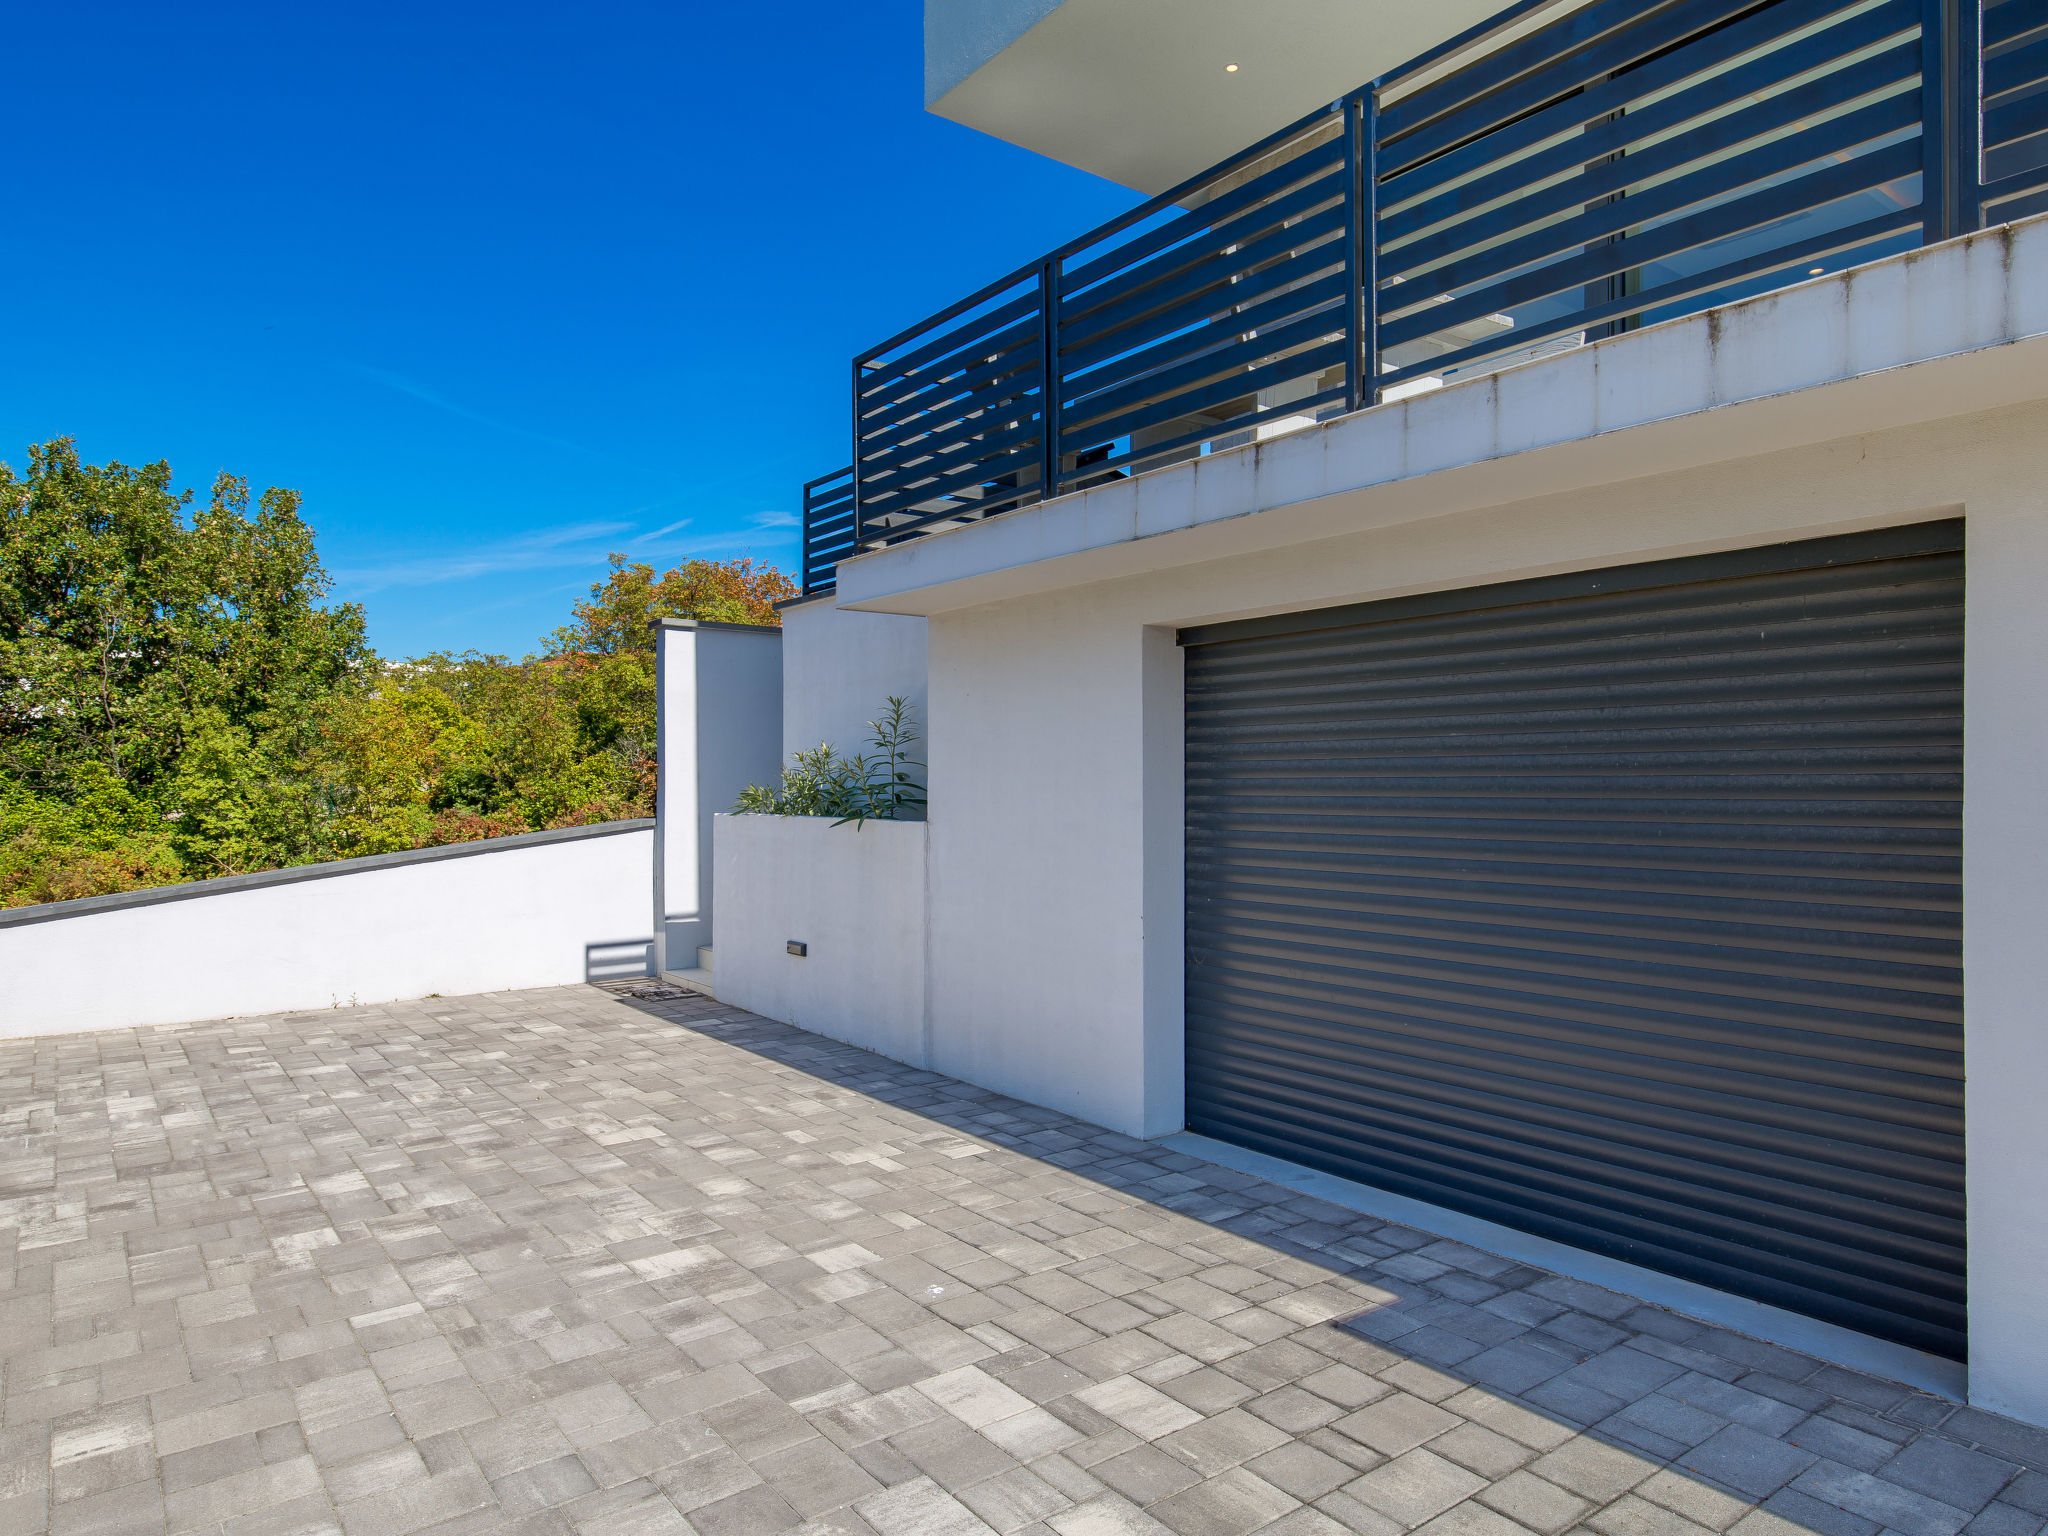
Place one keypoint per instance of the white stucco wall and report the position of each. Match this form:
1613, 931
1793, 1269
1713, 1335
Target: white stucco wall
855, 896
538, 911
839, 669
1909, 389
2005, 911
1056, 792
719, 723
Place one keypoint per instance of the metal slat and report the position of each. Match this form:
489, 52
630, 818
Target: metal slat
1212, 430
1784, 258
1584, 47
1577, 114
1709, 142
1813, 189
1718, 93
1623, 908
1198, 221
1188, 325
1305, 364
1227, 268
1231, 354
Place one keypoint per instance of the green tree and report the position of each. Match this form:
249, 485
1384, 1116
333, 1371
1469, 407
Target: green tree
607, 653
178, 699
178, 660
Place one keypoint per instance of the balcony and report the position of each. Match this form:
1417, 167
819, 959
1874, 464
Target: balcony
1538, 183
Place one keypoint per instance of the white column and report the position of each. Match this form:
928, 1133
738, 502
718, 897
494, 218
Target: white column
1164, 684
2005, 947
718, 710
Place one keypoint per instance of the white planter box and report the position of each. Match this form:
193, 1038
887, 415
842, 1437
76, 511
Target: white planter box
854, 897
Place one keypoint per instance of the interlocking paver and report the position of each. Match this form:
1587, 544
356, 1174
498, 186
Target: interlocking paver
567, 1263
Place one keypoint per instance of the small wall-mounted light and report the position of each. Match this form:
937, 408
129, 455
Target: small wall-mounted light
1815, 271
1230, 69
798, 948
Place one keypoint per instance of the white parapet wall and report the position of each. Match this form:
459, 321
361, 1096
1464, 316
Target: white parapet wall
538, 910
854, 898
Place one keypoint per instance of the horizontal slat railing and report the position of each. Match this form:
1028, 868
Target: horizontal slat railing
1516, 191
2015, 122
828, 529
1683, 166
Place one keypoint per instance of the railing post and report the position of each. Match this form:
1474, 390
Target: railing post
1966, 94
1950, 72
1361, 251
1049, 378
856, 457
803, 557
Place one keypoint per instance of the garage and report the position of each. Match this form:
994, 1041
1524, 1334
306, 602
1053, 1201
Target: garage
1621, 907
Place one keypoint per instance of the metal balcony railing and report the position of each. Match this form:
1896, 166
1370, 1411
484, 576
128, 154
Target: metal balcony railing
1562, 173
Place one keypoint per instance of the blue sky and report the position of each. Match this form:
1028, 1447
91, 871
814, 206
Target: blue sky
499, 288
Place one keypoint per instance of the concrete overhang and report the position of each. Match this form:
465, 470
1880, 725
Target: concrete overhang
1951, 330
1135, 90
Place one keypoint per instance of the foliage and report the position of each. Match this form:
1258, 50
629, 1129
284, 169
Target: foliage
178, 699
631, 597
877, 786
162, 675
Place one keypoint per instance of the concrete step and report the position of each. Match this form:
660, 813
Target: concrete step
697, 980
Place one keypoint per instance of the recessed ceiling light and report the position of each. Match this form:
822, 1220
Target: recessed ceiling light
1230, 69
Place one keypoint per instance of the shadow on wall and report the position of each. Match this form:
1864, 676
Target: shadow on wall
1469, 1383
618, 959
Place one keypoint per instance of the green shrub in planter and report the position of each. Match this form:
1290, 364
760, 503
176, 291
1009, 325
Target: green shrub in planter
869, 786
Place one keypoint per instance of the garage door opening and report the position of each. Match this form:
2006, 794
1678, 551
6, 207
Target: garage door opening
1623, 907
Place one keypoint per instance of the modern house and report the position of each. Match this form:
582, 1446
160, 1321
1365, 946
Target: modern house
1490, 641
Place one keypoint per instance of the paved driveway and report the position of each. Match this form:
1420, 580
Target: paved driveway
557, 1261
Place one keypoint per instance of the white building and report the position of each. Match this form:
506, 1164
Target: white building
1532, 665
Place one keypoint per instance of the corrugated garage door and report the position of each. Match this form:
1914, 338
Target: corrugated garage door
1621, 907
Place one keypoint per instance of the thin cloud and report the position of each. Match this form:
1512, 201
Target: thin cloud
659, 533
440, 402
543, 549
775, 520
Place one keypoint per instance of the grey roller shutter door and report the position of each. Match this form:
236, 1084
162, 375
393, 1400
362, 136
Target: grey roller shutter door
1623, 908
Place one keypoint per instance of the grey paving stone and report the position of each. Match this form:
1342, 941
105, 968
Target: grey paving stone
1531, 1501
1632, 1515
1415, 1487
1517, 1365
1145, 1474
1231, 1504
2029, 1491
1808, 1513
2023, 1443
1013, 1500
1946, 1471
1300, 1469
2001, 1519
558, 1264
1396, 1424
1752, 1463
1888, 1504
1839, 1442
